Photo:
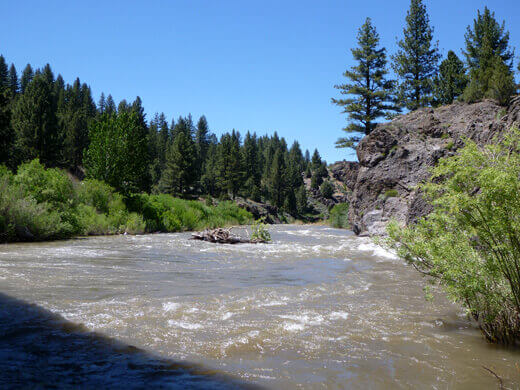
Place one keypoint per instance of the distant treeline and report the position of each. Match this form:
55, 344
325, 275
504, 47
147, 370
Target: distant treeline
60, 124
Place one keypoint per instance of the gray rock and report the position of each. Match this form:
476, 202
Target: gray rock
397, 156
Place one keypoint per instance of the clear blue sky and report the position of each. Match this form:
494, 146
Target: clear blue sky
263, 66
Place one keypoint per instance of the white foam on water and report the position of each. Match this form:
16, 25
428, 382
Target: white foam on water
184, 324
338, 315
227, 315
377, 250
292, 327
170, 306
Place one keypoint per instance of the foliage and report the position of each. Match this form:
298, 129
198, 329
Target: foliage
470, 243
164, 213
371, 94
502, 84
327, 189
451, 80
181, 160
489, 60
338, 216
416, 60
259, 231
117, 153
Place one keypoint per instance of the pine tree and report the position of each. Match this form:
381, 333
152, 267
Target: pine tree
110, 107
27, 76
163, 140
101, 104
296, 156
202, 142
181, 161
252, 170
416, 61
276, 180
451, 80
230, 163
14, 85
370, 93
502, 84
301, 200
6, 131
487, 46
4, 74
210, 177
316, 160
35, 123
327, 189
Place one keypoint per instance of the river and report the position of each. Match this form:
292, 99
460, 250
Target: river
317, 308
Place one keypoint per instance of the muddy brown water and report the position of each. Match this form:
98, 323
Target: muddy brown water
317, 308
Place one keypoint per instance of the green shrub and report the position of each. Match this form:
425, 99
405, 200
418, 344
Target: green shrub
97, 194
338, 216
91, 222
259, 231
470, 243
170, 222
134, 224
46, 185
40, 204
327, 189
391, 193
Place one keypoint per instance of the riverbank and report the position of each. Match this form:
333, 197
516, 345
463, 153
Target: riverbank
39, 204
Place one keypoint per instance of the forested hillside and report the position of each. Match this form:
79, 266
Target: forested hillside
43, 117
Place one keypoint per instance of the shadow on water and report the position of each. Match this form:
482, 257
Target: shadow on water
40, 349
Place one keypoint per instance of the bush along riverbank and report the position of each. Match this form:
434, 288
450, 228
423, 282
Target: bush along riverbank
46, 204
470, 243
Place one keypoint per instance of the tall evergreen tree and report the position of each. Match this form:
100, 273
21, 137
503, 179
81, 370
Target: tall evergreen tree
451, 80
316, 160
110, 107
35, 123
181, 161
101, 104
252, 169
230, 164
202, 142
210, 178
416, 61
14, 85
487, 46
26, 78
276, 179
6, 131
370, 93
4, 73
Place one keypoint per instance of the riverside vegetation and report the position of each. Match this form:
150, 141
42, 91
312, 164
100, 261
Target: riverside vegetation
43, 204
470, 242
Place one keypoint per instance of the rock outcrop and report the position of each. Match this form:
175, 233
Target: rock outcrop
397, 156
269, 213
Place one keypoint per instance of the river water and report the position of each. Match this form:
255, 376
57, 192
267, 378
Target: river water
317, 308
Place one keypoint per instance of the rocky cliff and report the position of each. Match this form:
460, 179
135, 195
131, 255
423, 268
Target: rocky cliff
397, 156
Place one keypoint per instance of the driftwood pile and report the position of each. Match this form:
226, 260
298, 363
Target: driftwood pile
223, 236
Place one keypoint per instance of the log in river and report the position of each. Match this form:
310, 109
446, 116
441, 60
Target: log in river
317, 308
